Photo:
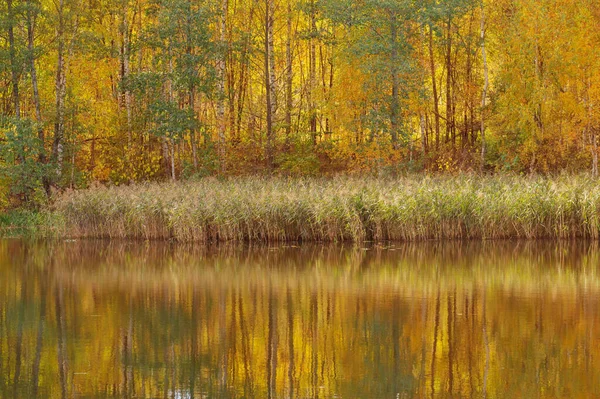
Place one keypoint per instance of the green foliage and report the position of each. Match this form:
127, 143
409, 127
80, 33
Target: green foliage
26, 223
184, 52
170, 121
299, 160
184, 47
20, 150
208, 163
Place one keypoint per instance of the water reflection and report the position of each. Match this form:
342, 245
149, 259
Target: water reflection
98, 319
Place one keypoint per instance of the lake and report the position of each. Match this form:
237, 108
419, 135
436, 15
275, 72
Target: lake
100, 319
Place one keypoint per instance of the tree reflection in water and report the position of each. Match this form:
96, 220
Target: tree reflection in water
99, 319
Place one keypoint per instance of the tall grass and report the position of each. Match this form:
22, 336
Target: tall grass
25, 223
338, 209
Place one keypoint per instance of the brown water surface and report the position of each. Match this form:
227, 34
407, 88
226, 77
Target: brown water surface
98, 319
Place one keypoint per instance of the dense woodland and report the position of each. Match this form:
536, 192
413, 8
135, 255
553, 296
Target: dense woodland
119, 91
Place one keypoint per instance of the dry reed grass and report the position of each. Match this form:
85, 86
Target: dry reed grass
337, 209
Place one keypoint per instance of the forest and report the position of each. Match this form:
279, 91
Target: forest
299, 198
123, 91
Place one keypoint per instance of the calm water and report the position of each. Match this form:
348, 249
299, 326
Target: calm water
149, 320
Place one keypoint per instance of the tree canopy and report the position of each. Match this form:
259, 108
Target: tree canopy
133, 90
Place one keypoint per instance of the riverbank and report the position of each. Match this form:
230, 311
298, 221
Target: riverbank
338, 209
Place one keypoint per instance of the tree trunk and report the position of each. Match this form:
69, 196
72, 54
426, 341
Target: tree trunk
273, 79
193, 140
395, 105
191, 91
125, 95
269, 82
242, 88
166, 157
468, 104
594, 139
221, 84
312, 113
331, 79
436, 101
31, 17
173, 176
60, 89
169, 145
124, 72
33, 73
289, 76
449, 109
485, 87
590, 131
13, 61
423, 128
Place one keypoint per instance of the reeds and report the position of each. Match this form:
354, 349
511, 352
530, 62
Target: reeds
24, 223
338, 209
